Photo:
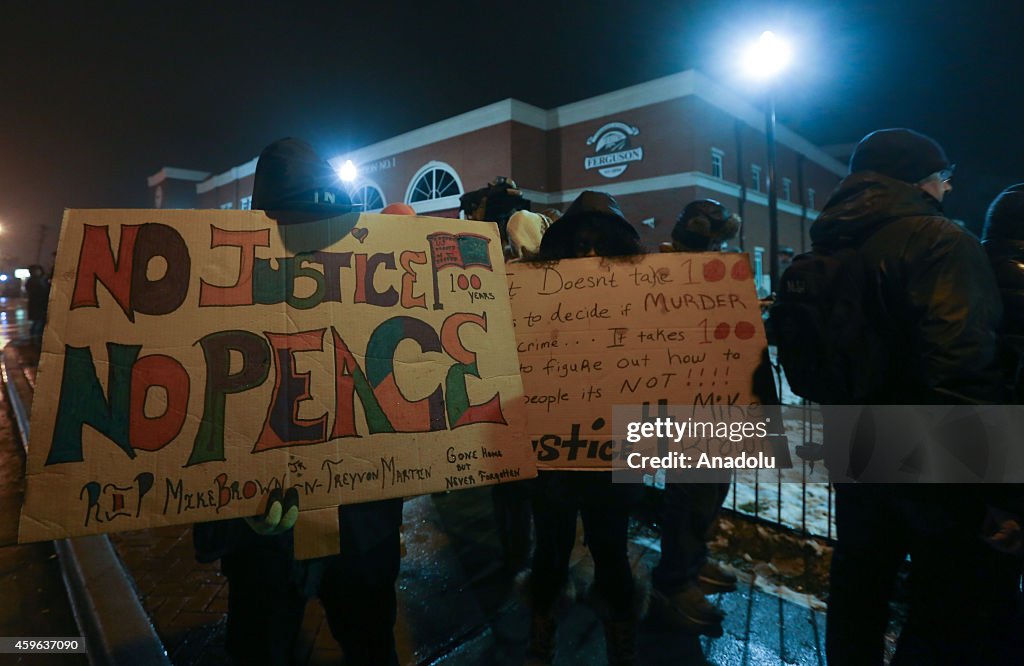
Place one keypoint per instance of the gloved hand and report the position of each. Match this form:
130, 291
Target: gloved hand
280, 515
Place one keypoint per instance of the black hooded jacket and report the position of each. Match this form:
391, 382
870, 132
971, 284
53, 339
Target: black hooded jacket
939, 301
593, 221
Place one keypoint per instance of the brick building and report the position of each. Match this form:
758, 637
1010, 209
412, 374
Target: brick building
654, 146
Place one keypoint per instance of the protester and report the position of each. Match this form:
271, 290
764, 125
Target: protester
1003, 240
268, 587
937, 308
690, 510
494, 203
37, 288
525, 231
592, 226
513, 512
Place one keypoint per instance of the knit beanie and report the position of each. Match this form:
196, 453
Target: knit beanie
899, 153
1005, 217
292, 178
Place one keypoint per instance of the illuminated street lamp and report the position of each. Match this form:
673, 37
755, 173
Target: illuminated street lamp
348, 172
764, 60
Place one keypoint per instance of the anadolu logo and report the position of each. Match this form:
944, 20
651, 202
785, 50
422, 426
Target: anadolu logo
612, 150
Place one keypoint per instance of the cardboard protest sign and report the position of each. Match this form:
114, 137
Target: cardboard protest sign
193, 360
593, 334
316, 534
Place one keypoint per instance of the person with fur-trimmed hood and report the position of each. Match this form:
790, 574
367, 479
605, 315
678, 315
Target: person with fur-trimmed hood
267, 587
592, 226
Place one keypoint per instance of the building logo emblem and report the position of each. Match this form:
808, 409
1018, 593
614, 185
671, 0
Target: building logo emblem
612, 150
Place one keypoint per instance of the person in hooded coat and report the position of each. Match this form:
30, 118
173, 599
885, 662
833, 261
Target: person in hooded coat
268, 588
592, 226
938, 310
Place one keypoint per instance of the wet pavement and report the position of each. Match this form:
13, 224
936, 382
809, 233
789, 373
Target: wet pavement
33, 599
457, 605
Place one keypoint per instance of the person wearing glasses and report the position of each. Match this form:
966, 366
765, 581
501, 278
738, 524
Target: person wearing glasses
935, 306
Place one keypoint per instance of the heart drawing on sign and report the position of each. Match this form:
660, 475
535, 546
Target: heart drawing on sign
360, 234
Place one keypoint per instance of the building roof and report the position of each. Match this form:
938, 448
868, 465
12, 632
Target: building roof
676, 86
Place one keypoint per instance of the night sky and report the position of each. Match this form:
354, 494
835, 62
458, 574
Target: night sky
93, 101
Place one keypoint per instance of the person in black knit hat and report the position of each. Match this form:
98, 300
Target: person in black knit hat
1003, 240
268, 587
935, 306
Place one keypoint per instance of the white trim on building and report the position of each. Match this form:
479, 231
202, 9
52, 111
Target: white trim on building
177, 174
675, 86
422, 171
464, 123
229, 176
669, 182
431, 205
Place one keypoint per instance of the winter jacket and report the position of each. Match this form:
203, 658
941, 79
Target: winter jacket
1003, 241
1007, 260
939, 303
593, 219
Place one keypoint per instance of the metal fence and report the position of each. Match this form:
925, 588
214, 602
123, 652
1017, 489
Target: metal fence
806, 507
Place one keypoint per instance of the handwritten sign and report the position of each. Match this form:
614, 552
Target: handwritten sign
194, 360
666, 329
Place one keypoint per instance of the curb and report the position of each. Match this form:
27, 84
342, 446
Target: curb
115, 626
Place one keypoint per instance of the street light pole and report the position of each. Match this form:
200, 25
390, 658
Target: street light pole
764, 60
773, 202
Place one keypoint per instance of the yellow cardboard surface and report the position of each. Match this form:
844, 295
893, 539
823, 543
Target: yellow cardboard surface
593, 333
317, 534
195, 359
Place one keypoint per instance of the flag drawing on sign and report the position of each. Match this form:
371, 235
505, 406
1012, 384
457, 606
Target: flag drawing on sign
458, 250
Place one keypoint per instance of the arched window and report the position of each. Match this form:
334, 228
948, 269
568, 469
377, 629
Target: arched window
434, 181
367, 196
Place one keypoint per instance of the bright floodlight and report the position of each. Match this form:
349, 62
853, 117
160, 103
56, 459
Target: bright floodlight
768, 56
22, 273
3, 277
348, 171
